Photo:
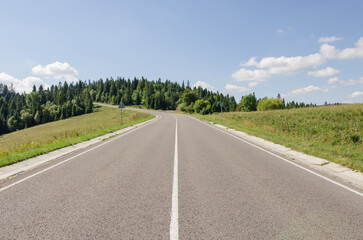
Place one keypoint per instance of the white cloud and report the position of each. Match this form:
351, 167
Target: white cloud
231, 87
291, 65
253, 84
308, 89
269, 66
57, 70
280, 31
328, 39
251, 62
203, 85
349, 82
22, 85
333, 80
329, 71
250, 75
286, 65
330, 52
356, 95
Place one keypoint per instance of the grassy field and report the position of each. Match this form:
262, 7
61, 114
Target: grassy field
44, 138
334, 133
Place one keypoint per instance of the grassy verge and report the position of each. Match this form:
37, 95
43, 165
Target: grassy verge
334, 133
138, 106
159, 110
47, 137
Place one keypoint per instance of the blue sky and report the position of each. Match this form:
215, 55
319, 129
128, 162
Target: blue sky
309, 51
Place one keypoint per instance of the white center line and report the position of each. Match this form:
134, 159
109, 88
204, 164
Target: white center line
174, 224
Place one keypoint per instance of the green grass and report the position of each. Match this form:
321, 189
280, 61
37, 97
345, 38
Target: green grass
334, 133
138, 106
27, 143
159, 110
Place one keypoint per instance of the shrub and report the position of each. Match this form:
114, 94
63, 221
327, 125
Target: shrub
202, 106
269, 104
248, 103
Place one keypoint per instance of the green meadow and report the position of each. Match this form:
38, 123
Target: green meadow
30, 142
334, 133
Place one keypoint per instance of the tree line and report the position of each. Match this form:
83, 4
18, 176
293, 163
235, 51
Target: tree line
160, 95
250, 103
22, 110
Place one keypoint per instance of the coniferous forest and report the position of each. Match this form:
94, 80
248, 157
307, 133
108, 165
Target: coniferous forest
22, 110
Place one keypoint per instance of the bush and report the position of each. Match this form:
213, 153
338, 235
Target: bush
12, 123
26, 117
248, 103
189, 97
269, 104
202, 106
186, 108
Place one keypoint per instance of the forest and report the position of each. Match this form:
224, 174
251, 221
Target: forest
23, 110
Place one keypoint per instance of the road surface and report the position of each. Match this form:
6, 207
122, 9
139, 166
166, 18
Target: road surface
176, 178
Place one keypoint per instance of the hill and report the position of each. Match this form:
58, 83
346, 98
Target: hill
30, 142
334, 133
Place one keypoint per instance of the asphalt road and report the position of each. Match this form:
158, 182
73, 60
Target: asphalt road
176, 178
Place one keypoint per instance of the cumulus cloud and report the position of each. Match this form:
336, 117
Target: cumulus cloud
253, 84
329, 71
290, 65
283, 65
22, 85
333, 80
231, 87
328, 39
269, 66
349, 82
305, 90
203, 85
331, 52
251, 62
250, 75
57, 70
356, 95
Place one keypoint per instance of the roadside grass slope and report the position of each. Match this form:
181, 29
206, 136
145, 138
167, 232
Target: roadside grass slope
27, 143
334, 133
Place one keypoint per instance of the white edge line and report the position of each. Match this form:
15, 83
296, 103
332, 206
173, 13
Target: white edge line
174, 225
284, 159
68, 159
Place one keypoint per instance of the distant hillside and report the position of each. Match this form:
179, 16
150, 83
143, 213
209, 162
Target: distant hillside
21, 110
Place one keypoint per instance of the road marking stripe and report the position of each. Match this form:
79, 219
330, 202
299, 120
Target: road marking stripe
68, 159
174, 224
288, 161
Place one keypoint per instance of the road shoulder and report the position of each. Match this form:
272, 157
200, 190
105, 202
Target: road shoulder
334, 170
31, 163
